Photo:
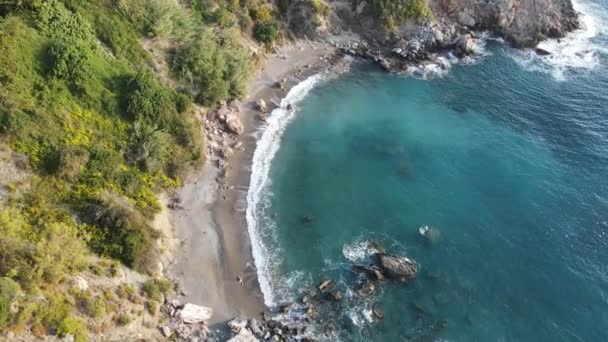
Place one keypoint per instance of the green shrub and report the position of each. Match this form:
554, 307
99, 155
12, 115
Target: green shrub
96, 307
154, 289
73, 326
5, 311
57, 21
70, 61
9, 288
149, 100
182, 102
123, 319
392, 13
32, 255
152, 307
149, 147
321, 8
266, 32
216, 63
118, 230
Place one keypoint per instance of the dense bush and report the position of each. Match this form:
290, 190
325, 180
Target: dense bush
70, 61
215, 63
154, 289
155, 17
392, 13
46, 252
266, 32
9, 290
73, 326
119, 230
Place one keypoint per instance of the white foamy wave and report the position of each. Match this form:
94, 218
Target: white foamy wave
257, 198
440, 65
361, 316
358, 250
577, 50
427, 71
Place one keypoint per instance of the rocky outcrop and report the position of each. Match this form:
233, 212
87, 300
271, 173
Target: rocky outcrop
522, 22
397, 267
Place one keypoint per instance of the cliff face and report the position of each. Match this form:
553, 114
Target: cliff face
523, 22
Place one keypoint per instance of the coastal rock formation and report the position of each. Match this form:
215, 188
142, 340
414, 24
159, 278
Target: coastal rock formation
465, 45
522, 22
397, 267
454, 28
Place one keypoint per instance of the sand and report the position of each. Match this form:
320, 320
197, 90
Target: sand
214, 245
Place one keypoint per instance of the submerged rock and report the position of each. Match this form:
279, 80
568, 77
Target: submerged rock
336, 296
378, 312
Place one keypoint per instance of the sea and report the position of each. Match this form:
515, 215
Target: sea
502, 157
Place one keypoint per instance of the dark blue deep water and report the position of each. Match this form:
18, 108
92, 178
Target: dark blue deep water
506, 159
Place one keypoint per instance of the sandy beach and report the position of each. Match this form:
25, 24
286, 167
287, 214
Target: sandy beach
214, 247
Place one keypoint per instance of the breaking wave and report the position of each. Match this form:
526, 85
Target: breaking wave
260, 227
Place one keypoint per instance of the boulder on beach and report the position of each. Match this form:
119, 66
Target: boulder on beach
236, 325
261, 106
234, 125
397, 267
192, 313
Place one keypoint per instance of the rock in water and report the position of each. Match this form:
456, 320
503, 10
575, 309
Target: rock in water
195, 314
465, 44
377, 311
324, 285
542, 52
237, 325
397, 267
366, 289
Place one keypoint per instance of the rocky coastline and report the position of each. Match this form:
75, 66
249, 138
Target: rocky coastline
457, 26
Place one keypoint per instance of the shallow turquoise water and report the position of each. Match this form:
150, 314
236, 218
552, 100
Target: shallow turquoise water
509, 165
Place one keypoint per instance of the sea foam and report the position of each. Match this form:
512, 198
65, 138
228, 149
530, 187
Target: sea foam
257, 196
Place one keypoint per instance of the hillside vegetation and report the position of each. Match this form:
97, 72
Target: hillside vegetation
100, 134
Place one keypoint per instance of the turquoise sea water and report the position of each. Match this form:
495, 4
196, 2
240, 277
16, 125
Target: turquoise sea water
507, 159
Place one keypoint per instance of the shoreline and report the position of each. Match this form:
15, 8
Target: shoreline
215, 246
